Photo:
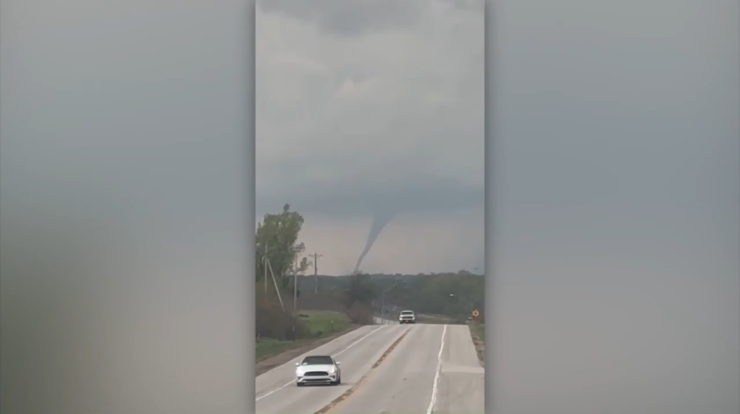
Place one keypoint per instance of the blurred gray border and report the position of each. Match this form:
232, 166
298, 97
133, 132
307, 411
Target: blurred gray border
492, 297
251, 186
488, 145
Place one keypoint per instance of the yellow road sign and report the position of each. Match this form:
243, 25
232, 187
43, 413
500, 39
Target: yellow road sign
476, 313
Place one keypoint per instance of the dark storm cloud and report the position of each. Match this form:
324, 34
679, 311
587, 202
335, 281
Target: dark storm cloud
351, 17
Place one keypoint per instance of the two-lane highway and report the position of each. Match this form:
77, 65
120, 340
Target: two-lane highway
433, 369
277, 393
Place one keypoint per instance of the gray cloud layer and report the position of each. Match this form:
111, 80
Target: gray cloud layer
368, 104
351, 18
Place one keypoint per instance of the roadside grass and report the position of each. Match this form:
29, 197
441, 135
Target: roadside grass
478, 330
320, 325
478, 334
267, 347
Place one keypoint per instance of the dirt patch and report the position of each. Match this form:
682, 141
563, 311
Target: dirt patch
478, 335
350, 391
284, 357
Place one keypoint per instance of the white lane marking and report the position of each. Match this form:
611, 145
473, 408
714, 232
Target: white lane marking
337, 354
436, 374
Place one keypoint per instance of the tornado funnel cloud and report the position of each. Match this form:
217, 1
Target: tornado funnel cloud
380, 220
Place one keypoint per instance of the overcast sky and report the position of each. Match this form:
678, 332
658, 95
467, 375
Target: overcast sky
374, 104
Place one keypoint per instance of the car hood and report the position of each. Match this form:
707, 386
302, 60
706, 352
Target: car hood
307, 368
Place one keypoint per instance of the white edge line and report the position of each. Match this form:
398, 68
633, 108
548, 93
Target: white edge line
338, 353
436, 374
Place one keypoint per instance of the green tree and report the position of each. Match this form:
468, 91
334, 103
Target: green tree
277, 240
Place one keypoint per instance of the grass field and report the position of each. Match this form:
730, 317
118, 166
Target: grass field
320, 324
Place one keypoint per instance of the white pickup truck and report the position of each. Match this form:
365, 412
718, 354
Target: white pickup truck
407, 316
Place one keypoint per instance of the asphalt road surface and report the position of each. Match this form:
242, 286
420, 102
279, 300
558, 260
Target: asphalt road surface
434, 369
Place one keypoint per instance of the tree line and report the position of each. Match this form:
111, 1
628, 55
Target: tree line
455, 295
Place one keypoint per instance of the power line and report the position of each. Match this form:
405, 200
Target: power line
315, 257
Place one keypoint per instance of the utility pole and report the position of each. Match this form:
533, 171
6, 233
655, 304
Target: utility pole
295, 283
315, 257
274, 282
264, 264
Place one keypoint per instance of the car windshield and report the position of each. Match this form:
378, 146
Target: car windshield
317, 360
407, 313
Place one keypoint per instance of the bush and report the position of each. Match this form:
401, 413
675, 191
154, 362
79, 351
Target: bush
273, 322
361, 313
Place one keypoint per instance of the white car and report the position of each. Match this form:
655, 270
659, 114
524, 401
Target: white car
407, 316
318, 369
